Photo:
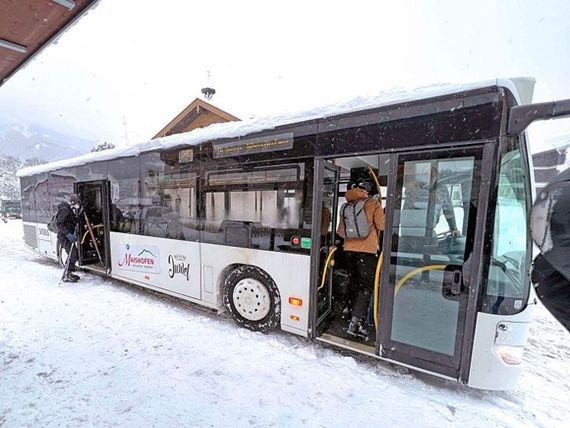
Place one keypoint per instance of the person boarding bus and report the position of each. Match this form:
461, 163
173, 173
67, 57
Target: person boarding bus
361, 220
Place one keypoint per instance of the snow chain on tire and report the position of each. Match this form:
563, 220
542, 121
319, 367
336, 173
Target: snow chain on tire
263, 287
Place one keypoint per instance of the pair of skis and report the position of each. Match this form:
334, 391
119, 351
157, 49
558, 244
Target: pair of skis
92, 236
76, 248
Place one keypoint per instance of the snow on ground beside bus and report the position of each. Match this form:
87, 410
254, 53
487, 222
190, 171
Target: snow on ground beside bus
100, 352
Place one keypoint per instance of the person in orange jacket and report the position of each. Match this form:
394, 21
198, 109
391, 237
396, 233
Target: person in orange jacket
362, 257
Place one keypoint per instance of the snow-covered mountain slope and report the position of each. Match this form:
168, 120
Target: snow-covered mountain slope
26, 145
38, 142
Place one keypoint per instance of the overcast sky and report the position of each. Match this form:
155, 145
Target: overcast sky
128, 67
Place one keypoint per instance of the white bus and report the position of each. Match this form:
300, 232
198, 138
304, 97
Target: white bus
241, 217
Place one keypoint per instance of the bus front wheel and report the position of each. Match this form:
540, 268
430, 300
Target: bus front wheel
252, 298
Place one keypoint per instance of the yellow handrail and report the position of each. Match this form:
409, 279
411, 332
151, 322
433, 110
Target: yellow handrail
411, 273
332, 250
376, 288
87, 232
375, 178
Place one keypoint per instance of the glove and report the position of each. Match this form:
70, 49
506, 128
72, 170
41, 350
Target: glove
71, 236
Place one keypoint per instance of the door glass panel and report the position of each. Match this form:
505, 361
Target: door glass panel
434, 209
92, 199
326, 236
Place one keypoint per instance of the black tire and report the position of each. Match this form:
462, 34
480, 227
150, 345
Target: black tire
262, 312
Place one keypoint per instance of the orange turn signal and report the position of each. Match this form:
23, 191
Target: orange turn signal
294, 317
295, 301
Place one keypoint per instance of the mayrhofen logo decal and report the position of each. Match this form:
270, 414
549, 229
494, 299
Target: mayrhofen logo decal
140, 259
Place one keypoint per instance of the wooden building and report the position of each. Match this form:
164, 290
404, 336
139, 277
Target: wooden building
198, 114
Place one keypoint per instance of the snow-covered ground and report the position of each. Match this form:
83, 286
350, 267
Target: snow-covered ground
103, 353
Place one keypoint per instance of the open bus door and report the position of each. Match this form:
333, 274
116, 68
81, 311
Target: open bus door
432, 248
94, 223
325, 203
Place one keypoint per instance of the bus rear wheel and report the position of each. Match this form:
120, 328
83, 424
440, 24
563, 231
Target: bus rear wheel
252, 299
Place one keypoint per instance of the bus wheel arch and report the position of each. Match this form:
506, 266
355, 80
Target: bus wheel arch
251, 297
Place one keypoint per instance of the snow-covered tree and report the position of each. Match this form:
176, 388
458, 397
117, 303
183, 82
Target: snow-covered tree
102, 146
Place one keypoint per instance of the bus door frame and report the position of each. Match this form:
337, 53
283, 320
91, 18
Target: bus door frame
105, 186
473, 270
320, 165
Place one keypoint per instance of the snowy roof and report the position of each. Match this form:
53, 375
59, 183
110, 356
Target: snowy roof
239, 129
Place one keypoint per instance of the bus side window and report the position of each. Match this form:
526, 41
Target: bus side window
259, 208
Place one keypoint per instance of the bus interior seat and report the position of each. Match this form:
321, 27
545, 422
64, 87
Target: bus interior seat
236, 232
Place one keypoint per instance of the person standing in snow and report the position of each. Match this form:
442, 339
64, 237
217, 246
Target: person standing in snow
361, 253
67, 218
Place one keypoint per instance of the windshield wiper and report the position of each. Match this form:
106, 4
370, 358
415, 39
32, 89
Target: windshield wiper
508, 272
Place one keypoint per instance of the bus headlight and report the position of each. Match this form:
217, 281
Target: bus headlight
511, 355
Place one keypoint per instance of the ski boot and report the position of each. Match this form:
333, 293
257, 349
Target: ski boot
71, 272
74, 276
357, 329
70, 277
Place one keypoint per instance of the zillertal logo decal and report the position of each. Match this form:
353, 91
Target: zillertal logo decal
140, 259
178, 266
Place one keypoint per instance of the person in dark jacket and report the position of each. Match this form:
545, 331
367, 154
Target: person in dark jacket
67, 219
550, 226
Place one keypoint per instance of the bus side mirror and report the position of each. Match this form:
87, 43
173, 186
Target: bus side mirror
522, 116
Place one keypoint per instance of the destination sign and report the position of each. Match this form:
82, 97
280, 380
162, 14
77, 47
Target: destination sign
254, 145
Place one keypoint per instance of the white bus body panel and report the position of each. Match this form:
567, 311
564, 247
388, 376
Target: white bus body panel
45, 246
488, 370
164, 263
196, 271
291, 273
45, 241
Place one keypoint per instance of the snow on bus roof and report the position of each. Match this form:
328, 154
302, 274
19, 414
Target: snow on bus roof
239, 129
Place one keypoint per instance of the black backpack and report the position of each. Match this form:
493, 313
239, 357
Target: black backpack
52, 225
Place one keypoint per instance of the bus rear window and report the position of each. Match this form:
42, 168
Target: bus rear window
508, 280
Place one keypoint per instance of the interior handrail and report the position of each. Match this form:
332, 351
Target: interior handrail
328, 262
376, 288
414, 272
87, 233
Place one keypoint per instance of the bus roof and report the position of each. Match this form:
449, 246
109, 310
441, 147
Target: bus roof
521, 88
